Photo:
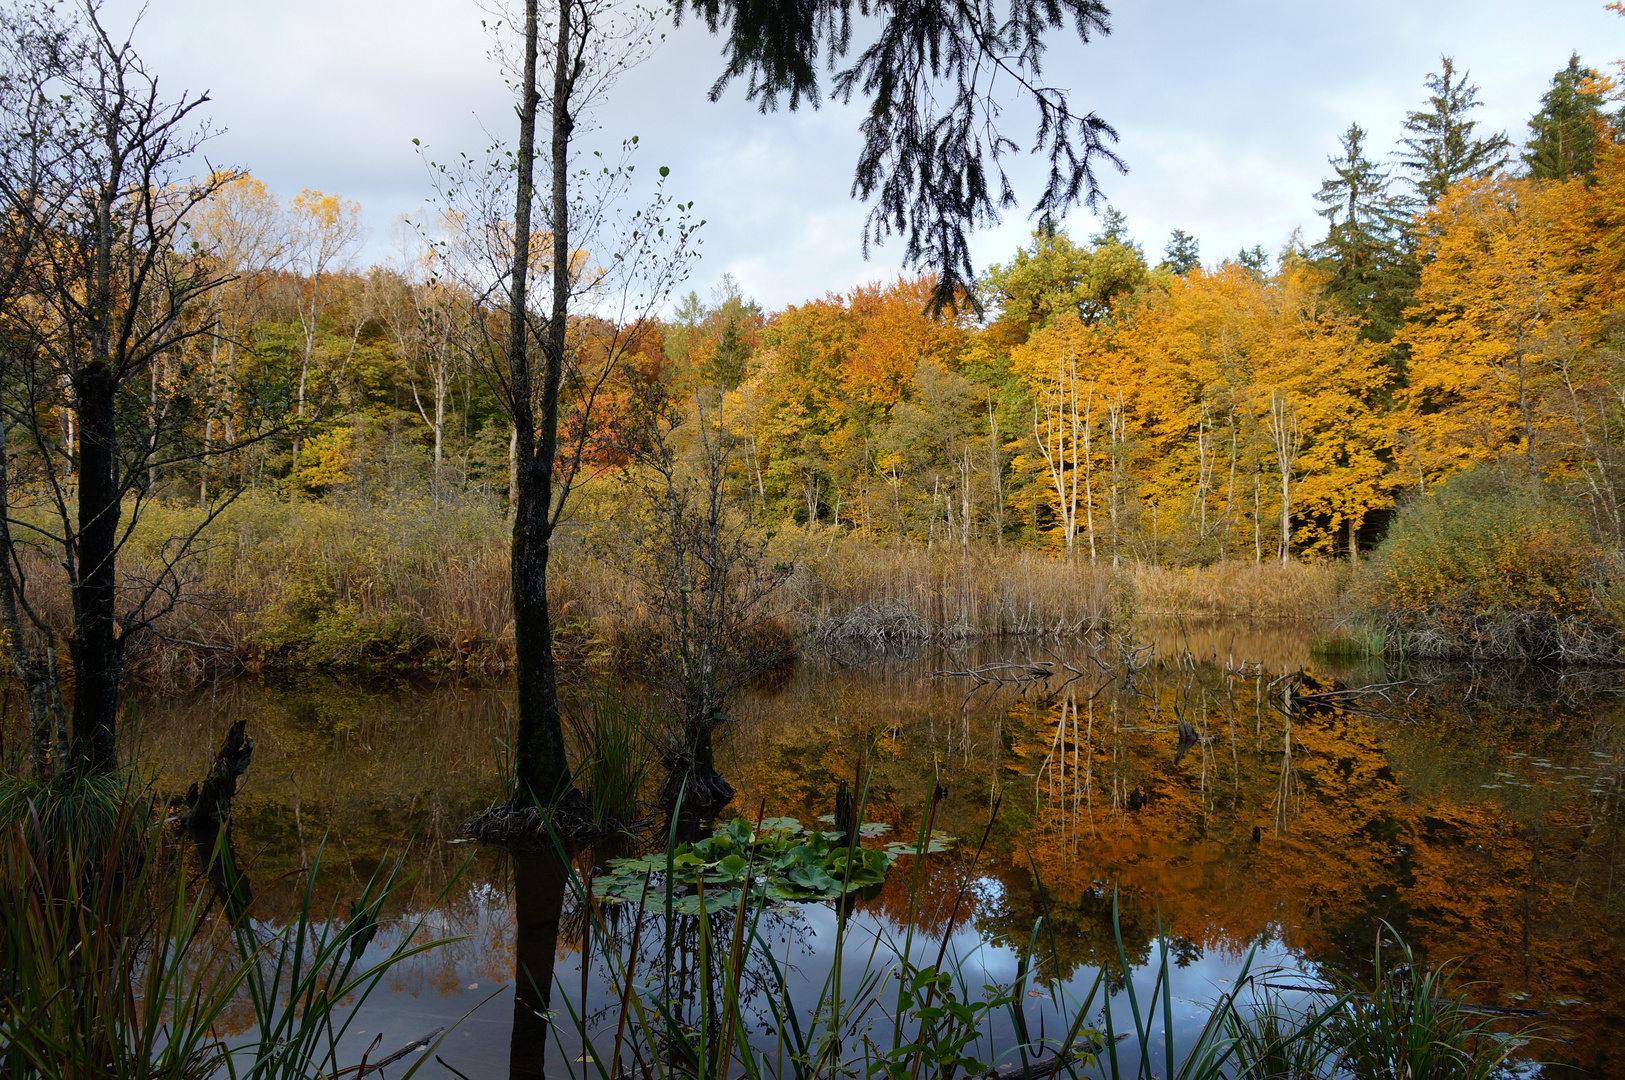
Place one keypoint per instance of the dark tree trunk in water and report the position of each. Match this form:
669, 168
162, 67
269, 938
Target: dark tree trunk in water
213, 847
542, 773
538, 896
96, 645
691, 772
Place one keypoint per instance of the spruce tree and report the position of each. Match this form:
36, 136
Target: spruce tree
1256, 260
1113, 228
1367, 246
1182, 254
1563, 134
1440, 149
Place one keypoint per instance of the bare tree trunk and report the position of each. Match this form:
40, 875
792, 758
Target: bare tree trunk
995, 470
96, 647
1088, 468
541, 772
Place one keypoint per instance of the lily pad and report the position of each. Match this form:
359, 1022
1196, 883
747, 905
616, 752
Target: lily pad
780, 861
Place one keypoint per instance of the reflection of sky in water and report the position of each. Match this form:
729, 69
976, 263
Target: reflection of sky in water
419, 997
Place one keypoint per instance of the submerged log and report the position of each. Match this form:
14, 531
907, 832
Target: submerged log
1444, 1003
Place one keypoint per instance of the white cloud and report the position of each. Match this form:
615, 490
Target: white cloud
1227, 113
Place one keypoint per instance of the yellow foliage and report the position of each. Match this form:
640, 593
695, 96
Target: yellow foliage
325, 460
1494, 336
1197, 368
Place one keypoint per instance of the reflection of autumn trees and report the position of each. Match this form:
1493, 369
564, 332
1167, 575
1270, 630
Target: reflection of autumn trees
357, 774
1424, 821
1482, 821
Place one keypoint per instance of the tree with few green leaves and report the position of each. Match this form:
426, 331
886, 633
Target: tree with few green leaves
1439, 149
104, 304
1563, 134
1183, 253
1367, 246
537, 257
937, 78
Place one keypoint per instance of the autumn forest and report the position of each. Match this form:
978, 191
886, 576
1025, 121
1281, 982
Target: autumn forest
1117, 659
1087, 397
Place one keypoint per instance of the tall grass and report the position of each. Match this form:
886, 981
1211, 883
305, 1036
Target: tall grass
337, 584
1408, 1022
1358, 638
851, 590
410, 583
1240, 589
117, 964
611, 736
79, 811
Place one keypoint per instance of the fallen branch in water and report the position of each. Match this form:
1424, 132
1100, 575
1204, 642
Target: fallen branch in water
377, 1066
1329, 696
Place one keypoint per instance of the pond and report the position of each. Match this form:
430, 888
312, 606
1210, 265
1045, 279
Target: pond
1474, 810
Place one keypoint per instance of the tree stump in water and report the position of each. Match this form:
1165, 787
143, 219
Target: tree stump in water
210, 803
519, 825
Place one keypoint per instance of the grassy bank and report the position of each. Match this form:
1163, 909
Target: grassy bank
411, 585
1240, 590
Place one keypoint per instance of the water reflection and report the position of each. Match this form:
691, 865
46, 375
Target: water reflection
538, 906
1475, 810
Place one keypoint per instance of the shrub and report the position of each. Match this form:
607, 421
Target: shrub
1485, 567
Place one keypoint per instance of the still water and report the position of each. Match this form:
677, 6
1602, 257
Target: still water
1474, 810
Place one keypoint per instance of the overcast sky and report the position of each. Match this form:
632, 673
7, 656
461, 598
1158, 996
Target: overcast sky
1227, 112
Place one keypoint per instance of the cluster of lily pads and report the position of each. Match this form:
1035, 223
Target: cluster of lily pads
778, 859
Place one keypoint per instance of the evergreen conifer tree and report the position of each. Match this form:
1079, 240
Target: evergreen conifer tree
1563, 134
1367, 246
935, 76
1113, 229
1182, 255
1440, 149
1255, 259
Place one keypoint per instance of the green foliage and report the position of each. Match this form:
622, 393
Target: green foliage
1367, 247
1360, 638
1487, 567
1183, 253
1274, 1041
1439, 149
310, 626
1409, 1023
952, 1019
932, 111
1563, 134
1054, 275
614, 755
76, 811
782, 861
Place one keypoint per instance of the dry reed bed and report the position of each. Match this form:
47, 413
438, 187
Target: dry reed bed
1236, 589
853, 591
331, 584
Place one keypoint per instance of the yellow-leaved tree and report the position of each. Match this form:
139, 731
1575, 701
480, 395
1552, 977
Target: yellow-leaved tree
1494, 334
